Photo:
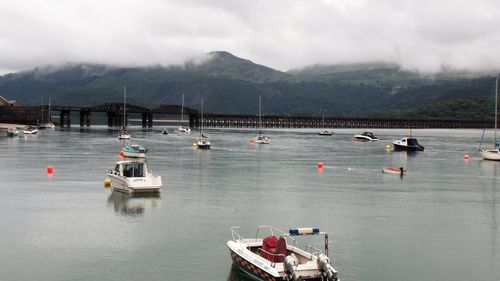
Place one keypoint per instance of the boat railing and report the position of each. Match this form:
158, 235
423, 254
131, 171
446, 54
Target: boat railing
274, 230
312, 250
236, 235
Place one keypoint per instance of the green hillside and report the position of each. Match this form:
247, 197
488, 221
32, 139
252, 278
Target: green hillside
232, 85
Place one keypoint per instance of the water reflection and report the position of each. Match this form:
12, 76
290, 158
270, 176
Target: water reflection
236, 274
133, 204
490, 170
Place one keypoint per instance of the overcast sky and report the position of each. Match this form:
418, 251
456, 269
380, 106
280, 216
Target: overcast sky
424, 35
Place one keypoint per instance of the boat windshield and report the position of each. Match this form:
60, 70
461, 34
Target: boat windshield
133, 170
413, 142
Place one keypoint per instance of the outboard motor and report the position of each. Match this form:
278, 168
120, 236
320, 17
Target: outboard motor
290, 264
327, 272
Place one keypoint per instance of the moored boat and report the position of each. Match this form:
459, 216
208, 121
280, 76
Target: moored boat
164, 132
203, 142
12, 132
493, 154
133, 176
325, 133
124, 133
30, 130
134, 151
366, 136
407, 144
261, 139
278, 256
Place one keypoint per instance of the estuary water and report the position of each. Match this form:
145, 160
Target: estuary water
438, 222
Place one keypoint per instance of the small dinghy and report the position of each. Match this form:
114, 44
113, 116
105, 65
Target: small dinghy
394, 170
164, 132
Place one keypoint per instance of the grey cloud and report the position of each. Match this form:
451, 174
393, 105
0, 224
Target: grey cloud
420, 35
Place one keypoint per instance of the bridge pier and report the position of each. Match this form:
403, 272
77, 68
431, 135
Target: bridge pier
84, 118
65, 118
150, 120
144, 119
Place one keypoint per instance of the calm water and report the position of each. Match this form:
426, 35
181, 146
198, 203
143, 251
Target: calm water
439, 222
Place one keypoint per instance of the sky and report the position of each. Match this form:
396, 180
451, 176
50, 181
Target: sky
421, 35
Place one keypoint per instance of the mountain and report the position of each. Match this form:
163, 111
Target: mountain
232, 85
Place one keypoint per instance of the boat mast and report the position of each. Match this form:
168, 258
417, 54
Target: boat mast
182, 110
201, 128
49, 113
260, 114
496, 109
124, 105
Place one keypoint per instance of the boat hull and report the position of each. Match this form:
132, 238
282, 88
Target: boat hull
392, 170
134, 154
363, 138
251, 269
135, 185
325, 133
493, 155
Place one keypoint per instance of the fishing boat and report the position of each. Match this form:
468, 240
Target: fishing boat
12, 132
394, 170
124, 133
493, 154
261, 139
134, 151
181, 128
407, 143
276, 255
30, 130
325, 132
133, 176
203, 141
366, 136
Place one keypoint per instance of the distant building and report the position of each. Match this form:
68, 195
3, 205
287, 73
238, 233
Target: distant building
4, 102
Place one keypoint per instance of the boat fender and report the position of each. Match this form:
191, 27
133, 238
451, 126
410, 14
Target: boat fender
290, 264
325, 269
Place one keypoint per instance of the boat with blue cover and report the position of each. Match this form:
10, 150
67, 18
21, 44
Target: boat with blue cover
134, 151
274, 255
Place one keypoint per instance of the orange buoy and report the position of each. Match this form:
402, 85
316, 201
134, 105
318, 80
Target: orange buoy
320, 165
50, 169
466, 157
122, 154
251, 141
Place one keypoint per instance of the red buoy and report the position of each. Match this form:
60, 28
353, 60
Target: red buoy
251, 141
466, 157
122, 154
50, 169
320, 165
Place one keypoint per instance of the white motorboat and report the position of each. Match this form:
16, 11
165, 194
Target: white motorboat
203, 142
164, 132
493, 154
325, 132
181, 128
279, 257
12, 132
124, 133
30, 130
261, 139
134, 151
133, 176
366, 136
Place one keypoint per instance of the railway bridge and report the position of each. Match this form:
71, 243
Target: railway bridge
115, 117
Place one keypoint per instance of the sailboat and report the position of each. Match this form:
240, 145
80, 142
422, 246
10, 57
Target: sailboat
124, 134
49, 124
181, 128
260, 139
325, 132
203, 142
493, 154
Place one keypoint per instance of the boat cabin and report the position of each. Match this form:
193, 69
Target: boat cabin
130, 169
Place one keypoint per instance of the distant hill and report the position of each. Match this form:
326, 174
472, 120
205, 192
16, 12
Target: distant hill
232, 85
